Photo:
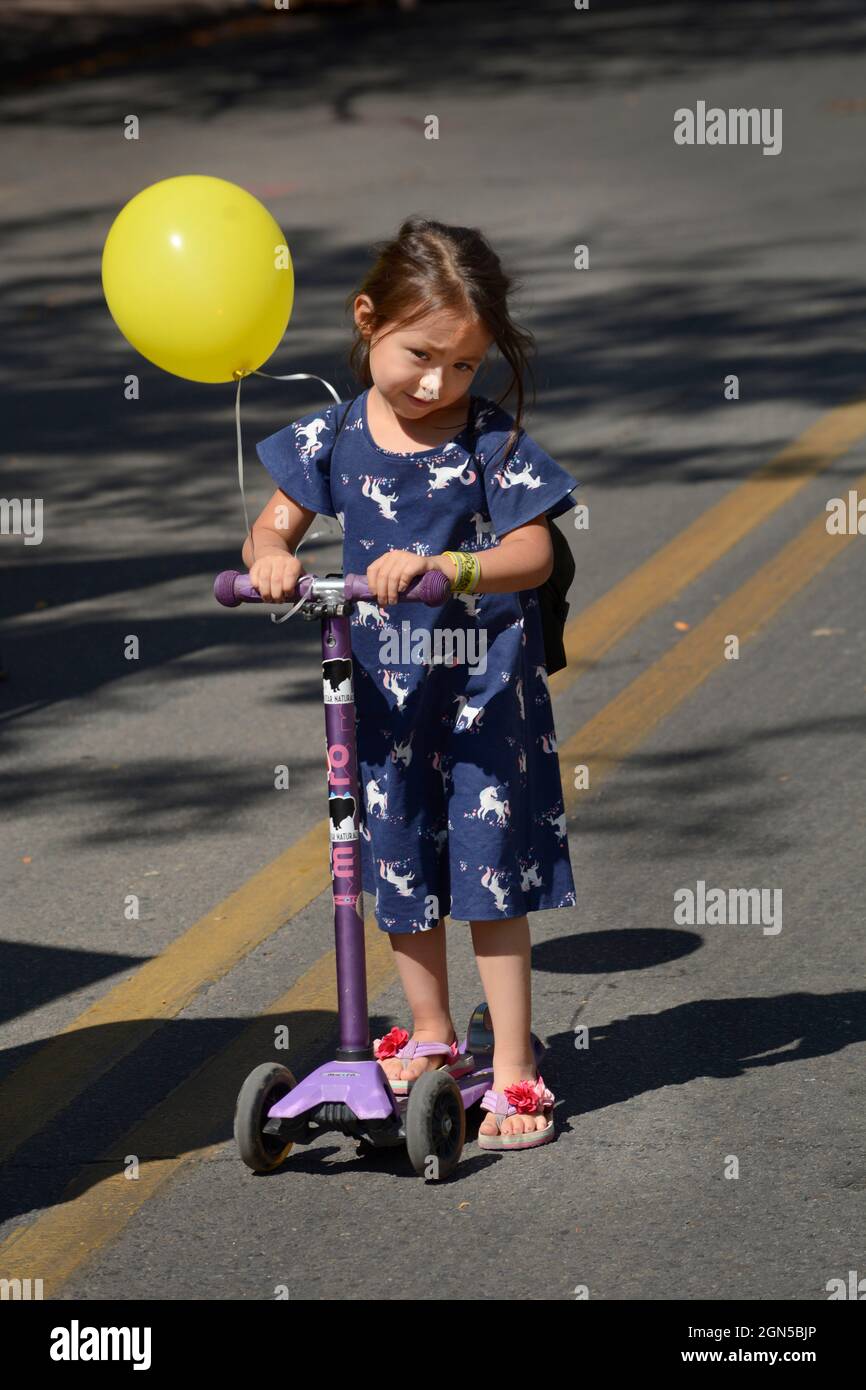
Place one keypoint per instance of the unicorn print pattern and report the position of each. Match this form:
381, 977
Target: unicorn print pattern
462, 808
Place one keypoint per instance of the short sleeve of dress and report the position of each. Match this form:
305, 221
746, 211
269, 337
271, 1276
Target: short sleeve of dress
298, 459
524, 485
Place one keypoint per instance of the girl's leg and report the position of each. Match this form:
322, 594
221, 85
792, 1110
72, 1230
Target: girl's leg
422, 963
502, 949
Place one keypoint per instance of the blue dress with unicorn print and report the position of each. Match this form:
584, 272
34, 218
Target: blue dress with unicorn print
462, 807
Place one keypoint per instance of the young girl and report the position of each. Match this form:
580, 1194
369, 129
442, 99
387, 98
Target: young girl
463, 812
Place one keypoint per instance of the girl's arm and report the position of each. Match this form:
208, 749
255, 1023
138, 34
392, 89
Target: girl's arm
279, 528
523, 559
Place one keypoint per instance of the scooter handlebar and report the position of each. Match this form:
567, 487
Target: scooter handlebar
232, 588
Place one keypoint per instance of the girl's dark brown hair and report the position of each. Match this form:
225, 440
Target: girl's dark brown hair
430, 267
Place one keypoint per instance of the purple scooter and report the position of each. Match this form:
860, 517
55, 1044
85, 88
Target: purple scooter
352, 1094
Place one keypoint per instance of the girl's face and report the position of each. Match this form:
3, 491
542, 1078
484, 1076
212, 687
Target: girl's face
427, 368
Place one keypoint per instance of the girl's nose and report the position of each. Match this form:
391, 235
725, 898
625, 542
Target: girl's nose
431, 385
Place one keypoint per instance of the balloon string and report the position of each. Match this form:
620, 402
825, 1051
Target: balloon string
293, 376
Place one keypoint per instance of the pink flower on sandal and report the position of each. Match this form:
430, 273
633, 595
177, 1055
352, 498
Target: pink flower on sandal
391, 1044
529, 1097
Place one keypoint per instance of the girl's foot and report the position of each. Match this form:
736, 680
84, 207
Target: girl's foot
398, 1069
513, 1124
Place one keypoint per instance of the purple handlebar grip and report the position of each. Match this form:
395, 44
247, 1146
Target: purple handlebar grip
224, 588
432, 588
232, 588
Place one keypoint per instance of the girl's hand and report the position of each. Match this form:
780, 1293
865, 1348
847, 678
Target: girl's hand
393, 572
275, 574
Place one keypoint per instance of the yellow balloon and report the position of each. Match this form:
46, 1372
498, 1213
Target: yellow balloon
198, 277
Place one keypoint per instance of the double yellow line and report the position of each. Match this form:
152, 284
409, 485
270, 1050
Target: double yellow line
95, 1208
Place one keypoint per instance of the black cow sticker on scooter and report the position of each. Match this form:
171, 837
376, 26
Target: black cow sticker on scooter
341, 817
337, 680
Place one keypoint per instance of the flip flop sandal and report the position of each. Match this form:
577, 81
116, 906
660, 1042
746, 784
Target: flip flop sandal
397, 1044
523, 1098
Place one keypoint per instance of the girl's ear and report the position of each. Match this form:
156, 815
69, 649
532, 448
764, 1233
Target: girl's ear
363, 313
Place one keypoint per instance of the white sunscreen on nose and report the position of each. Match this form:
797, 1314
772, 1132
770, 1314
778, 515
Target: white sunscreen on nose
429, 388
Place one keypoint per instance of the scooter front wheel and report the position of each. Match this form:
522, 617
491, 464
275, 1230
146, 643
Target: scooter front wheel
435, 1125
261, 1090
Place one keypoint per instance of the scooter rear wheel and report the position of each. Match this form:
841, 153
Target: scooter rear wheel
435, 1125
262, 1089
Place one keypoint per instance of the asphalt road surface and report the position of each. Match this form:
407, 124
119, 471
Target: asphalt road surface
711, 1135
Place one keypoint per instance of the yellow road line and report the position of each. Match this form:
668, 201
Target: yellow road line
670, 570
629, 717
95, 1209
128, 1013
131, 1011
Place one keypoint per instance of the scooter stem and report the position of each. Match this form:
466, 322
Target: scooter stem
344, 802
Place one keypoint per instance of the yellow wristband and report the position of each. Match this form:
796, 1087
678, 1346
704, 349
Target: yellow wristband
455, 560
468, 570
473, 572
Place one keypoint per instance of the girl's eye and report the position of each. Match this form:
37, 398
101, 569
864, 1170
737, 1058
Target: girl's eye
419, 353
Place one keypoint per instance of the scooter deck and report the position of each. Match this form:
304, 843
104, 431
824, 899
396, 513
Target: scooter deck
471, 1087
363, 1088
